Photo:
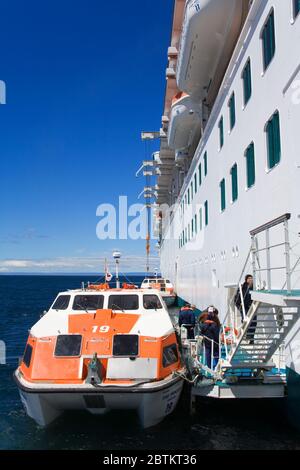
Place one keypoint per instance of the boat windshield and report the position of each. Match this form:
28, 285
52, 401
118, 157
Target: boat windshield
123, 302
61, 303
151, 302
88, 302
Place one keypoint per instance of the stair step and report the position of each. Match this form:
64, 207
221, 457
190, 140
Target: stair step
262, 365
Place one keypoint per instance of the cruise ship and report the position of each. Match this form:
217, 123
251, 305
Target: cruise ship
227, 190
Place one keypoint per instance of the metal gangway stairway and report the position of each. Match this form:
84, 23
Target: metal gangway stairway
251, 359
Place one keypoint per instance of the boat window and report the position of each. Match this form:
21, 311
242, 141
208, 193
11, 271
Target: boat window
221, 132
126, 345
205, 163
61, 303
88, 302
151, 302
223, 195
200, 174
234, 183
206, 212
170, 355
123, 302
273, 140
268, 40
195, 183
296, 4
232, 116
27, 355
68, 345
247, 82
250, 163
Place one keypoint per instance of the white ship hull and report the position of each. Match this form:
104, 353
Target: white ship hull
206, 268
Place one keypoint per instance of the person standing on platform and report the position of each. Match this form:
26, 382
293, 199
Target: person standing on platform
187, 319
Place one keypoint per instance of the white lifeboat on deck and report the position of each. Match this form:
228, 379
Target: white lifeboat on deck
185, 122
210, 31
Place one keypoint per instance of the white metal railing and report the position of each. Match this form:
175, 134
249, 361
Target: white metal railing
267, 249
200, 357
202, 350
233, 313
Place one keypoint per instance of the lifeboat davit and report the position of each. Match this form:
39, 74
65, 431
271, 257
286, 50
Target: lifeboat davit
100, 350
210, 31
185, 122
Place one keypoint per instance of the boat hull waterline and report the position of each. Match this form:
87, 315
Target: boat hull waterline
152, 402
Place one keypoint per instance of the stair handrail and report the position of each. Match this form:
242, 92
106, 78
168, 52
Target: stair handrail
292, 271
231, 314
212, 352
265, 228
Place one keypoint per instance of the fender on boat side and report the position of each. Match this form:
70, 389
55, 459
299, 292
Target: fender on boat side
104, 389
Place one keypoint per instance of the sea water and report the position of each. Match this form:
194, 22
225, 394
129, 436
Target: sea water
257, 424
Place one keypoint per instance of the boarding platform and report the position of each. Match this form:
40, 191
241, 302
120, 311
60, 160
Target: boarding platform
250, 362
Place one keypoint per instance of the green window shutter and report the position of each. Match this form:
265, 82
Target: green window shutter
196, 224
205, 163
195, 183
247, 82
221, 132
250, 162
273, 140
192, 190
200, 220
189, 196
206, 212
270, 137
268, 38
200, 174
296, 7
234, 183
277, 139
223, 195
186, 236
232, 116
193, 228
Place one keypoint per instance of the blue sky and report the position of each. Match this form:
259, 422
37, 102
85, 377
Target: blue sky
83, 79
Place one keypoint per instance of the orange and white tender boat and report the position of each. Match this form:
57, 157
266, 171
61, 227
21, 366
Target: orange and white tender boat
101, 349
164, 286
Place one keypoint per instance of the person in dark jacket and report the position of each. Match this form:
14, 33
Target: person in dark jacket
210, 330
247, 287
247, 301
187, 318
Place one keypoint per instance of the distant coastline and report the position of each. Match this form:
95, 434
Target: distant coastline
69, 274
